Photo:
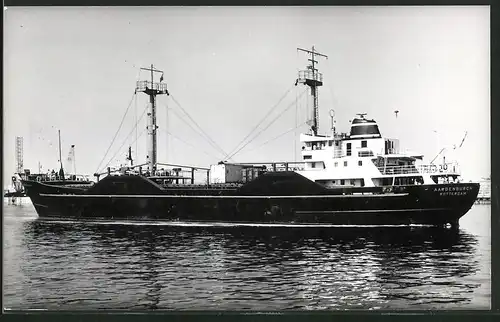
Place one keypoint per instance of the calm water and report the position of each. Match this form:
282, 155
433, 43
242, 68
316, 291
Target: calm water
73, 266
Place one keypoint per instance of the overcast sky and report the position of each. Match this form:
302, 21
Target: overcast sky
75, 69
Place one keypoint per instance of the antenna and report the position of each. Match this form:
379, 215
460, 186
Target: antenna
129, 156
463, 140
74, 158
312, 78
61, 172
152, 89
332, 115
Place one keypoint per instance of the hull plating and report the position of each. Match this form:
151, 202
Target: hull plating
143, 200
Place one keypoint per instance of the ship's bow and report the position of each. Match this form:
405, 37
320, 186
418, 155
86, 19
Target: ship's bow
457, 199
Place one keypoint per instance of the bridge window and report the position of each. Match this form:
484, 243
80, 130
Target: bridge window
365, 130
336, 164
307, 157
365, 154
364, 144
345, 163
360, 163
342, 182
330, 143
348, 149
313, 164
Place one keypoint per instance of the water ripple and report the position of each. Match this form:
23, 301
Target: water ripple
82, 266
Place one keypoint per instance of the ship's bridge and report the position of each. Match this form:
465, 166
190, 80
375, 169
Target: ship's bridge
321, 142
362, 128
318, 148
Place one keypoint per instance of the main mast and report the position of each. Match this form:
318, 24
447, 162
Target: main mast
152, 89
312, 78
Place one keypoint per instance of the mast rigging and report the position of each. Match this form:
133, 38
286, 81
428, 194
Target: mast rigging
152, 89
312, 78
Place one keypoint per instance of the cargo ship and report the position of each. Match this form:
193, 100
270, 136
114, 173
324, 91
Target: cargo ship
358, 178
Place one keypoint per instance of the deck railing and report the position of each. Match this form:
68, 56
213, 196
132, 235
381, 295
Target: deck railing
143, 85
359, 152
450, 168
164, 172
277, 166
314, 146
391, 170
56, 177
309, 75
446, 168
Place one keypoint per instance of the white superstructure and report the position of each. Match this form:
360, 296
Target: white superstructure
364, 158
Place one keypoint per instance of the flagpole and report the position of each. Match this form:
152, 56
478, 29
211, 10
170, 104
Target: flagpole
60, 157
74, 158
61, 172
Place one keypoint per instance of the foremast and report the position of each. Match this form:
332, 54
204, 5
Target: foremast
312, 78
152, 89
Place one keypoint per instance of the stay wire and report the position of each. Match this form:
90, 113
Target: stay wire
277, 137
296, 126
214, 145
335, 102
136, 147
125, 141
202, 134
166, 134
116, 134
183, 120
127, 137
261, 121
135, 140
296, 108
185, 142
274, 120
180, 117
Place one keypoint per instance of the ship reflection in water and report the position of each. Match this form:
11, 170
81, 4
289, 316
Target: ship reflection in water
71, 266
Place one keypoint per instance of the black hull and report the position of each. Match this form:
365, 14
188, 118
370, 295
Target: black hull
284, 198
60, 183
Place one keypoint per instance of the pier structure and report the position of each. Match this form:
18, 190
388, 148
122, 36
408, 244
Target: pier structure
19, 154
484, 195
